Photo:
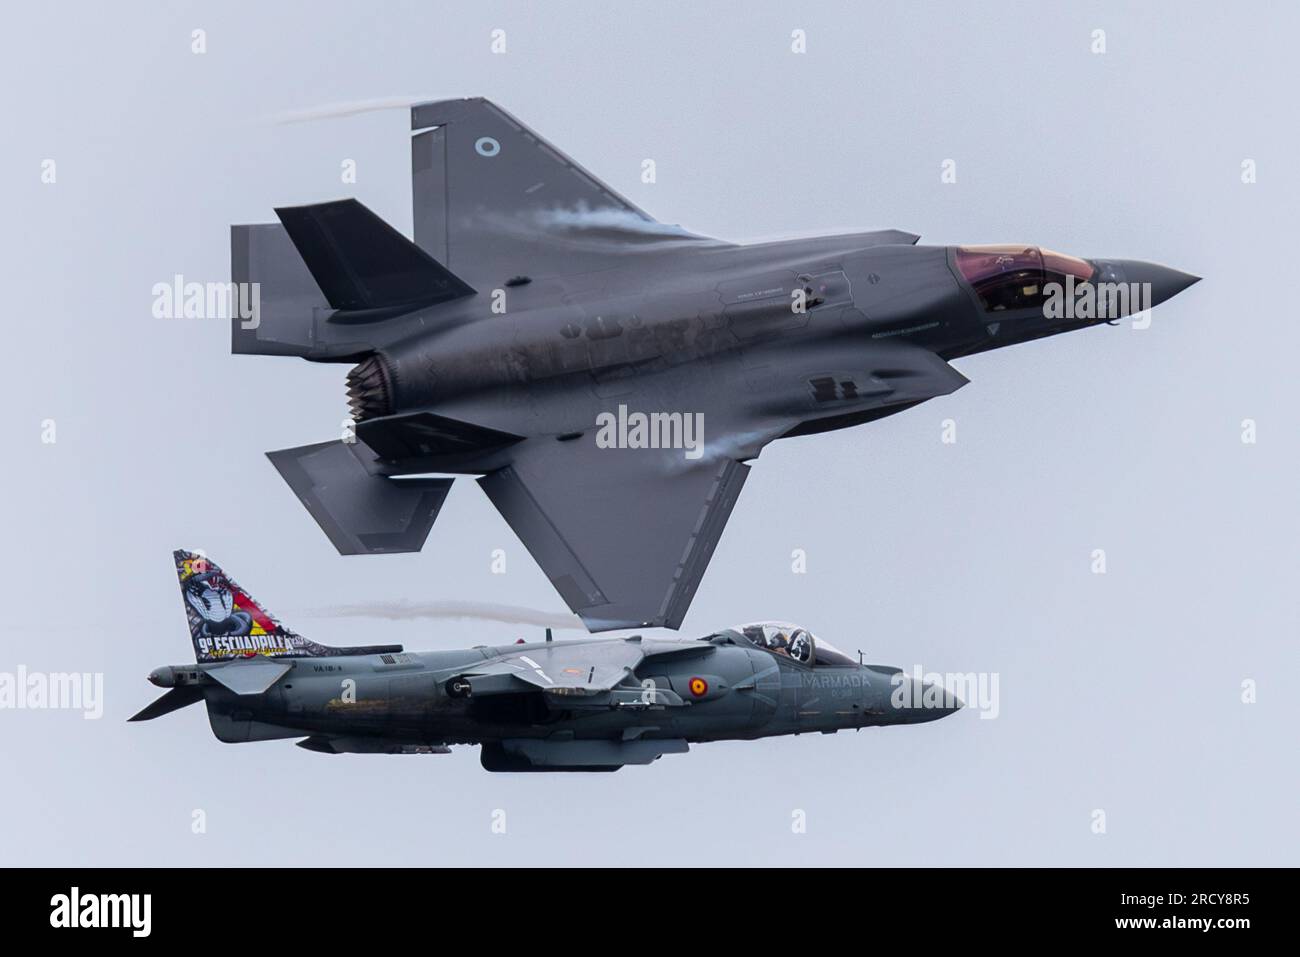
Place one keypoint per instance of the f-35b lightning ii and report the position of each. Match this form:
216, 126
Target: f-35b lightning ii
590, 705
608, 376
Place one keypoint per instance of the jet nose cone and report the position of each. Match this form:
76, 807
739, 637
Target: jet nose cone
162, 677
1162, 282
927, 702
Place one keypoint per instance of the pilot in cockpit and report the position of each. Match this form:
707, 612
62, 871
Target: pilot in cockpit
801, 646
795, 643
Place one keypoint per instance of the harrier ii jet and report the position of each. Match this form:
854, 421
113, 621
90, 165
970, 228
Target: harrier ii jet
606, 376
589, 705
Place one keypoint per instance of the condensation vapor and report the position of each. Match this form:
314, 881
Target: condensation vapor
352, 108
448, 611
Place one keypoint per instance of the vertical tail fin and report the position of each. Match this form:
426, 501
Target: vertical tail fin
289, 278
227, 624
361, 262
280, 303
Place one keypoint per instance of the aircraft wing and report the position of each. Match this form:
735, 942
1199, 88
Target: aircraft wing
624, 534
493, 200
573, 667
581, 667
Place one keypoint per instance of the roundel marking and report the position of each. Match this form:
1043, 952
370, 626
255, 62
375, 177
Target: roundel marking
486, 146
699, 687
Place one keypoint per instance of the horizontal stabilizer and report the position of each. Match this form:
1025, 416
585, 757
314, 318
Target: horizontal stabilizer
179, 697
251, 675
360, 512
361, 262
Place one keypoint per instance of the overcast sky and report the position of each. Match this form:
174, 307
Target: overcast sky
1120, 692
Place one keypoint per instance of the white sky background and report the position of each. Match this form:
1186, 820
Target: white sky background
1119, 692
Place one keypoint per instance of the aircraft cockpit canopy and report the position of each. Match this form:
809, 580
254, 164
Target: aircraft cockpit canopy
791, 641
1014, 277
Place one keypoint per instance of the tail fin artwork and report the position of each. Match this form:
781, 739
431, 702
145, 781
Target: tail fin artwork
226, 624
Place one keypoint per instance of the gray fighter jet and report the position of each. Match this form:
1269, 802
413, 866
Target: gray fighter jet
608, 376
589, 705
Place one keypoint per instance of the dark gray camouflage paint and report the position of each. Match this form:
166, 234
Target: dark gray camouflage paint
638, 707
617, 310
